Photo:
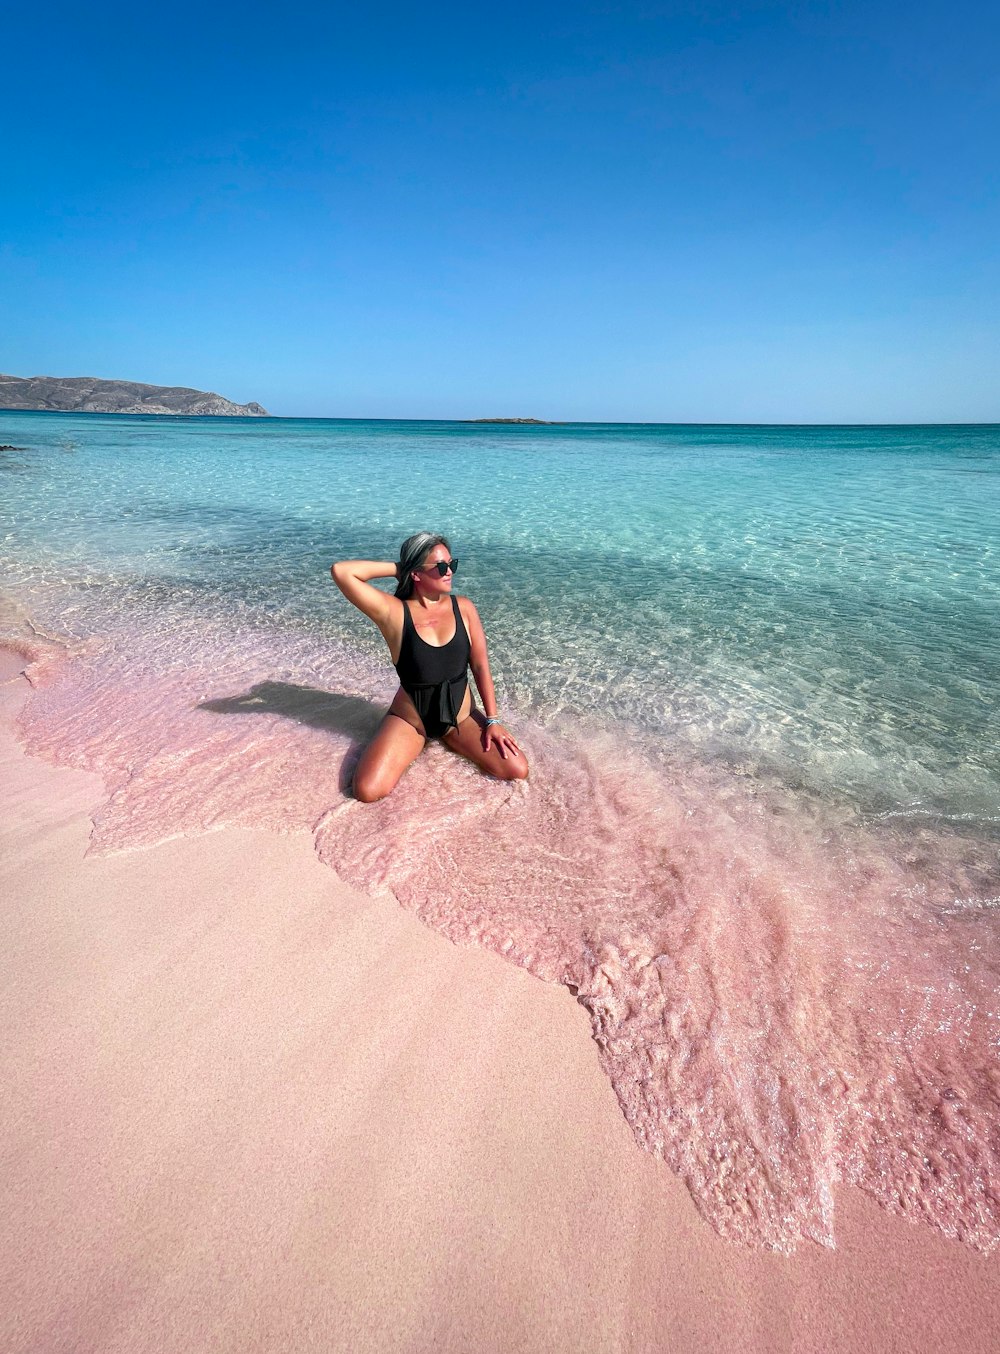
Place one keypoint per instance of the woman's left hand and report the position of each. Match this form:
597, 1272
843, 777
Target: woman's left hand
497, 736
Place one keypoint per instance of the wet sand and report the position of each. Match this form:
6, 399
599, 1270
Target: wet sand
247, 1108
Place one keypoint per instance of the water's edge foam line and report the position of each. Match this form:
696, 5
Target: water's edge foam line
680, 1012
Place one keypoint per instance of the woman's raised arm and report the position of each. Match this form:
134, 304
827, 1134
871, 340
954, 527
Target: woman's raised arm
351, 577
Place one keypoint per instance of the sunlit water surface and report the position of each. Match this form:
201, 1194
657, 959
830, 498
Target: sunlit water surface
756, 674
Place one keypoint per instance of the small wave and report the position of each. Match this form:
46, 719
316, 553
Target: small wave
782, 999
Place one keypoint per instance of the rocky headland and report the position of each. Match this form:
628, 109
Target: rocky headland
90, 395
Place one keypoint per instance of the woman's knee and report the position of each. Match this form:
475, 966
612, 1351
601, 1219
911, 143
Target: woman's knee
516, 768
370, 788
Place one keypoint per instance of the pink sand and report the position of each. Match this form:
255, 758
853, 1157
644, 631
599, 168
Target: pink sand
247, 1108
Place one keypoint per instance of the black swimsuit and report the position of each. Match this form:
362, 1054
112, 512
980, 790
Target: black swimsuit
435, 677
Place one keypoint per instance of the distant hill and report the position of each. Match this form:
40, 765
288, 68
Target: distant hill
89, 395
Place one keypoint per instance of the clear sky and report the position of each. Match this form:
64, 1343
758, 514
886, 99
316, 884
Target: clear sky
707, 212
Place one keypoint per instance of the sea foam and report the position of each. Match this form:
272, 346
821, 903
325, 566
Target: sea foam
782, 996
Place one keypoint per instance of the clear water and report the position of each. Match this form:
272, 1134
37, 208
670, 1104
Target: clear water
756, 674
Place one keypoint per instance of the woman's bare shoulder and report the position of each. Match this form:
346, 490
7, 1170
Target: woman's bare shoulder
390, 622
470, 616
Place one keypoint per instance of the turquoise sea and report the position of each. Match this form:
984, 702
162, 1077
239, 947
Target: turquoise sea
756, 671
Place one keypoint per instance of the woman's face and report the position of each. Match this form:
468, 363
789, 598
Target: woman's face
429, 580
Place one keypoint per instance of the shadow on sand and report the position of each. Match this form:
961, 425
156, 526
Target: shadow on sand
353, 716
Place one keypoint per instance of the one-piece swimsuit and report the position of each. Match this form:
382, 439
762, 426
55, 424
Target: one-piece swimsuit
435, 677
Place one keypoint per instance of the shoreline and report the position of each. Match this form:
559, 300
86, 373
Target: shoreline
709, 977
255, 1108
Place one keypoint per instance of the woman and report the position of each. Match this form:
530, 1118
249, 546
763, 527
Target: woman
433, 638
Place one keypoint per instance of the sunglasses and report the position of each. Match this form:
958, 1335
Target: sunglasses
443, 567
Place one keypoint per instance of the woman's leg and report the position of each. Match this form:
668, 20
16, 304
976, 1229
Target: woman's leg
386, 757
467, 741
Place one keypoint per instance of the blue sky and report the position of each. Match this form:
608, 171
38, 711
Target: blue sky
654, 212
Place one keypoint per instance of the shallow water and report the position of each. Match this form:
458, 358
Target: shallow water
755, 671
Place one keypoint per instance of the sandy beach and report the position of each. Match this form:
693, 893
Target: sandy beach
650, 347
247, 1108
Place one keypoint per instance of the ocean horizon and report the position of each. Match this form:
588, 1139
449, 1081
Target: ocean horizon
510, 422
756, 671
